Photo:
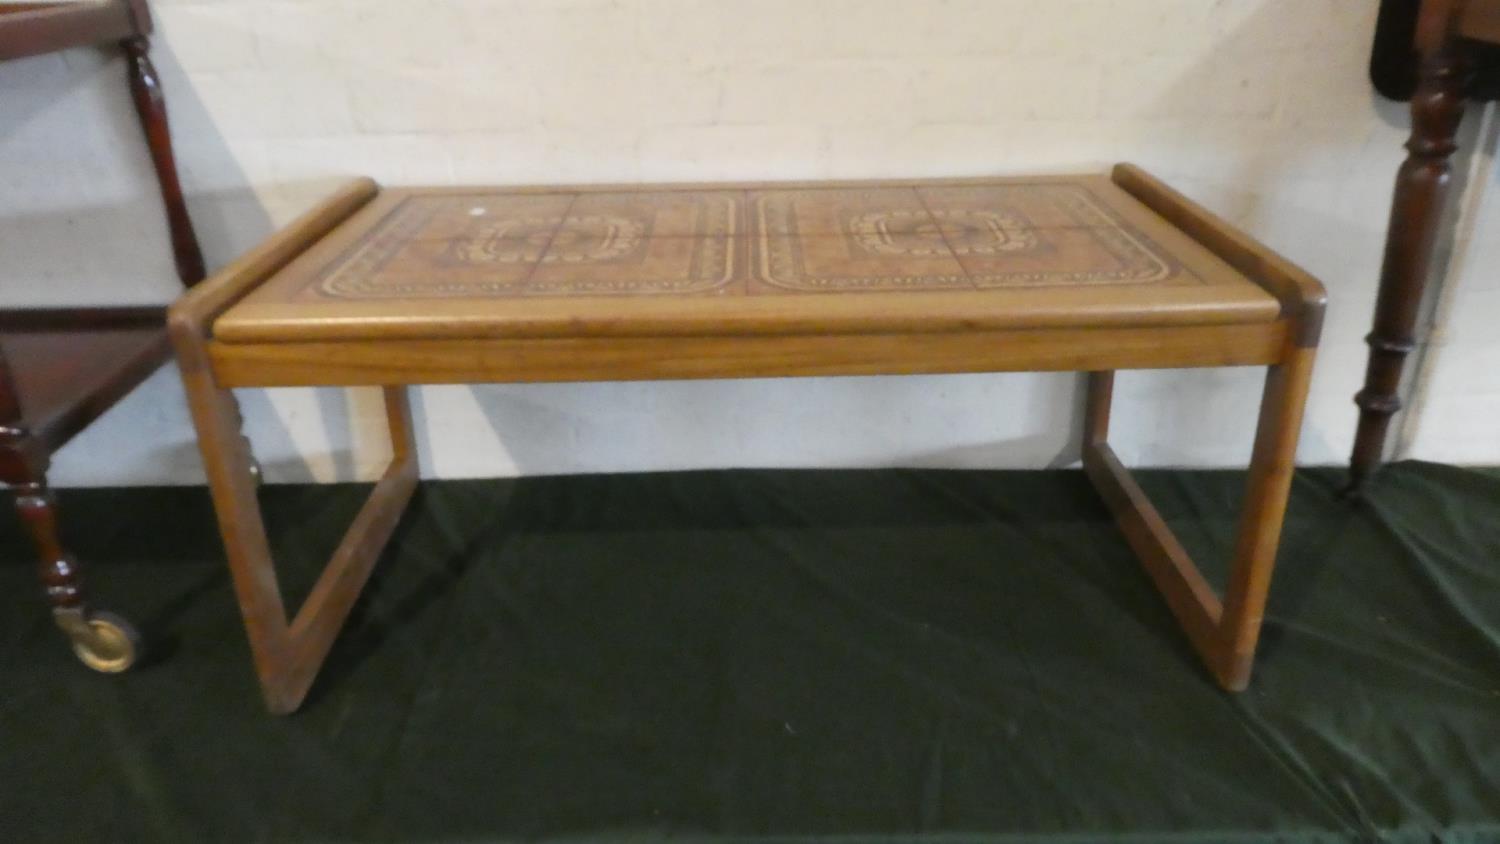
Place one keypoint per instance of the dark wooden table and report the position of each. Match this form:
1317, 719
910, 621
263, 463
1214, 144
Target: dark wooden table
60, 368
1448, 33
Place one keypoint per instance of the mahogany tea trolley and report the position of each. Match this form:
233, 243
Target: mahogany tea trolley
61, 368
395, 287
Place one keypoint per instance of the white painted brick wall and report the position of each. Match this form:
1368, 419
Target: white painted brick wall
1259, 108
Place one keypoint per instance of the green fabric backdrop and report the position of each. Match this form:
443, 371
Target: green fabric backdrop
746, 654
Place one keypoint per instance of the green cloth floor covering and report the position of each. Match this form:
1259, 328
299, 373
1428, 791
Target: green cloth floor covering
750, 654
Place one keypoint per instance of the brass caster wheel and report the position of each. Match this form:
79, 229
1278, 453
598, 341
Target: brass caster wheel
104, 642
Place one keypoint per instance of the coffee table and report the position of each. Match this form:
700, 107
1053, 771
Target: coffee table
394, 287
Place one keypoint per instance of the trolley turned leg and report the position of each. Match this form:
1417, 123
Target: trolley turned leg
102, 640
151, 108
1422, 185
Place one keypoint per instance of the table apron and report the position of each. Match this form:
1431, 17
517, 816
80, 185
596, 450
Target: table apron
556, 359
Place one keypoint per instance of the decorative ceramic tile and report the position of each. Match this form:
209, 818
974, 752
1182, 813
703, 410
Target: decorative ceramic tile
1000, 235
1056, 257
1042, 205
445, 246
849, 239
978, 232
544, 244
828, 212
647, 266
838, 239
668, 213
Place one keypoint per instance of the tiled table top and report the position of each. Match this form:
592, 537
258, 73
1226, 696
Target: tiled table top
503, 252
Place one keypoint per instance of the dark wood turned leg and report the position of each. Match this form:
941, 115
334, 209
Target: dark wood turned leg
103, 641
1421, 192
57, 569
145, 90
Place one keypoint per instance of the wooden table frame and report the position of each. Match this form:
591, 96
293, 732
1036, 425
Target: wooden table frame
288, 651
